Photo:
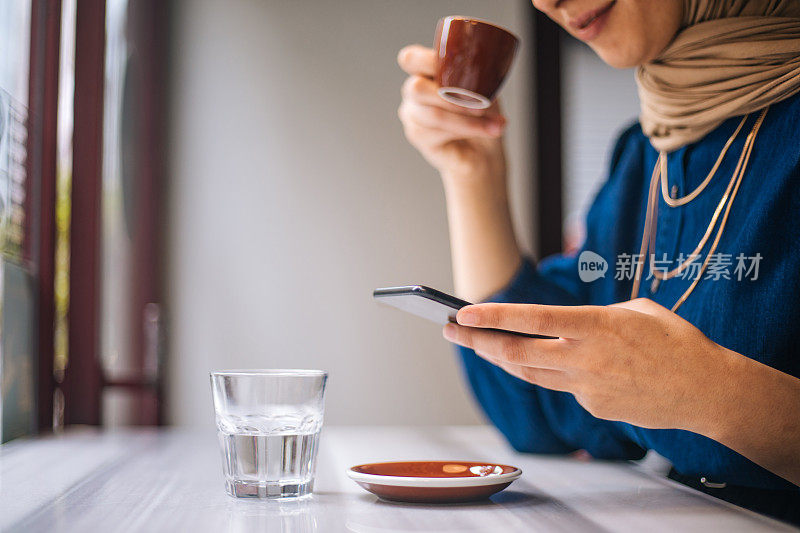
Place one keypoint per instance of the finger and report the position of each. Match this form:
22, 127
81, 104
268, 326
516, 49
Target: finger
417, 59
555, 320
465, 126
543, 377
423, 90
508, 348
420, 135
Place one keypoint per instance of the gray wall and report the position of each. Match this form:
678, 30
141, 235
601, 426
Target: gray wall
599, 102
294, 194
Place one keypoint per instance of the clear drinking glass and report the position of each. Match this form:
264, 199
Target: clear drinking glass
268, 423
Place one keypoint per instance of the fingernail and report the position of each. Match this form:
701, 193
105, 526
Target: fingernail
450, 332
402, 55
467, 317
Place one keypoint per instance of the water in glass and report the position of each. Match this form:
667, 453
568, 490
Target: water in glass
267, 456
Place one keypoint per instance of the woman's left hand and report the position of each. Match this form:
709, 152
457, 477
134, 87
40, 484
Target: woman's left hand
634, 361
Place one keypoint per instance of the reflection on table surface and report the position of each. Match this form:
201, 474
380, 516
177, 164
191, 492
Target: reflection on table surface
170, 480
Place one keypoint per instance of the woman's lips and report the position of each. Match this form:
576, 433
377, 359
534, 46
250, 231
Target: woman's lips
590, 24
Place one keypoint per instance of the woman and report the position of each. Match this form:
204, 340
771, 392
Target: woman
672, 353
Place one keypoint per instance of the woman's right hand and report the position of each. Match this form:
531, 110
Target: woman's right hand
461, 143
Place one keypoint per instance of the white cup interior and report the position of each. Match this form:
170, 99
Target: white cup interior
464, 97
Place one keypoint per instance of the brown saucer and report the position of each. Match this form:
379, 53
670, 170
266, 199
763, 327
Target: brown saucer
434, 481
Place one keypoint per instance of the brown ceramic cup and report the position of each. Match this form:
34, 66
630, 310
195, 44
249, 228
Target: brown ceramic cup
473, 58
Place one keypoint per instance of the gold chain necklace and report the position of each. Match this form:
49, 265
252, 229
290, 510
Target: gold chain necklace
662, 276
651, 217
675, 202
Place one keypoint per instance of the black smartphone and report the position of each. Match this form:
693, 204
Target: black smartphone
436, 306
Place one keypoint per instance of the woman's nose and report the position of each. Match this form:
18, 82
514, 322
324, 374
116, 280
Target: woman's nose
547, 5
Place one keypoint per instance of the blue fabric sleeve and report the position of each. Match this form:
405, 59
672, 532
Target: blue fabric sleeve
531, 418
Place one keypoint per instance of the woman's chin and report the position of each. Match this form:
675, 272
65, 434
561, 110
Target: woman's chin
616, 58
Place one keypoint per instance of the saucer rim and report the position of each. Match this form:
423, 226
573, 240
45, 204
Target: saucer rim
433, 482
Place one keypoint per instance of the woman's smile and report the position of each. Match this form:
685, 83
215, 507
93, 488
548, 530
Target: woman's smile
589, 24
624, 33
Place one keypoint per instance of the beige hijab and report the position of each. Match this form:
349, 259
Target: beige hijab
731, 58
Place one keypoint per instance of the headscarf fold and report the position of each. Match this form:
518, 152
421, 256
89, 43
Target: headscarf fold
730, 58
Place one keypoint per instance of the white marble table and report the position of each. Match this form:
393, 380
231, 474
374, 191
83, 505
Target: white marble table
170, 480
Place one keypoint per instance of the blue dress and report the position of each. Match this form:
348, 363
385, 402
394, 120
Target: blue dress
750, 302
